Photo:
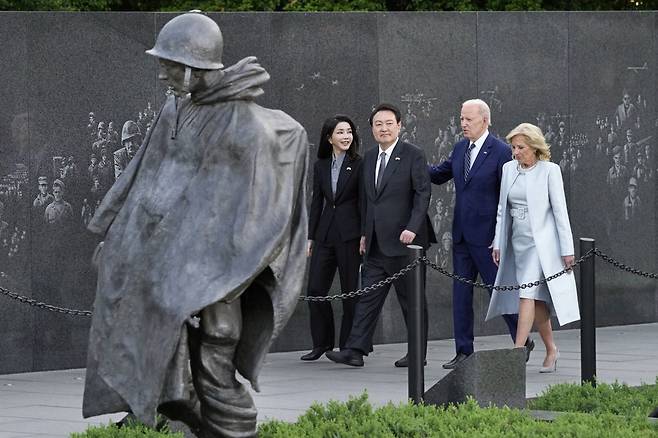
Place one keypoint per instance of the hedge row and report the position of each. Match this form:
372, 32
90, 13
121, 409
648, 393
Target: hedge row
614, 410
616, 398
357, 418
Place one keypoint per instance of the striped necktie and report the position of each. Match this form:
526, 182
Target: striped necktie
380, 173
467, 161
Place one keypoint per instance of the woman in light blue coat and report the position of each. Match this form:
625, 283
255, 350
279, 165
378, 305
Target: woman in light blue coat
533, 241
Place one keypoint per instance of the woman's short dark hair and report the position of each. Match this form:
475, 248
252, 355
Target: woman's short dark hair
386, 107
325, 149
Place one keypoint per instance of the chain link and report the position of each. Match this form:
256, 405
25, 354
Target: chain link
366, 290
535, 283
426, 261
39, 304
623, 266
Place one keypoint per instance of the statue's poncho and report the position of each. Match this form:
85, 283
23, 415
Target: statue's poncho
213, 199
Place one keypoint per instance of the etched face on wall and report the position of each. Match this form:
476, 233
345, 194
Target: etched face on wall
58, 193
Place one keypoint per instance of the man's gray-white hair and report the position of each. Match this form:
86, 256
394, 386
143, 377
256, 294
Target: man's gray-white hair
484, 108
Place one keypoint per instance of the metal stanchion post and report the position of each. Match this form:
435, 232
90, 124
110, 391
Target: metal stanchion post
587, 314
415, 332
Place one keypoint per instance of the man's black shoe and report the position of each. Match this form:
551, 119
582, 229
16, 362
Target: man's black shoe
403, 362
529, 346
348, 357
456, 361
316, 353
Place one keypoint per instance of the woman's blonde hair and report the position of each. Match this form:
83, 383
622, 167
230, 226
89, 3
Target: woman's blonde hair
534, 138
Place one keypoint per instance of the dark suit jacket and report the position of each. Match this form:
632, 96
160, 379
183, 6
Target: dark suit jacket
342, 211
476, 198
401, 202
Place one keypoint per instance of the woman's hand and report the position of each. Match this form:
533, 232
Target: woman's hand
495, 255
568, 261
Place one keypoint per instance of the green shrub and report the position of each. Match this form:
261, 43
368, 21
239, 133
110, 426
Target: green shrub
133, 430
356, 418
615, 398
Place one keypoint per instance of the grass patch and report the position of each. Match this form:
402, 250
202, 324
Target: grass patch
357, 418
607, 410
132, 430
615, 398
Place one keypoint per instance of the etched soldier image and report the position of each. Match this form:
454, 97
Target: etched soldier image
59, 212
100, 141
440, 216
444, 253
632, 201
4, 226
629, 147
42, 200
617, 173
131, 138
92, 127
204, 244
626, 113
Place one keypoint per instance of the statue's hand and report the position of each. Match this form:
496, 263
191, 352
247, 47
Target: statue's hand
95, 258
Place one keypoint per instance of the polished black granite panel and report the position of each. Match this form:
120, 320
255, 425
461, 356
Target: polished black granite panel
566, 72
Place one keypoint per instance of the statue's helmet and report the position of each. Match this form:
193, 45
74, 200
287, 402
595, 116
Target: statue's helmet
192, 39
130, 129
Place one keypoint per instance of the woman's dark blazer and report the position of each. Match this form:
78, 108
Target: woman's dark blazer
342, 211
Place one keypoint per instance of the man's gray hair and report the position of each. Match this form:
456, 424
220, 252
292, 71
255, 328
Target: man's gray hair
482, 105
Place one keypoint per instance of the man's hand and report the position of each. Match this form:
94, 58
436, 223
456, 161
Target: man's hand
495, 255
407, 237
310, 248
362, 245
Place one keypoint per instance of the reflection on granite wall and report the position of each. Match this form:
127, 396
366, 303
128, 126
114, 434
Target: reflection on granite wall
67, 97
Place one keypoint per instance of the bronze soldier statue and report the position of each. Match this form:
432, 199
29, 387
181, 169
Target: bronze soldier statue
204, 235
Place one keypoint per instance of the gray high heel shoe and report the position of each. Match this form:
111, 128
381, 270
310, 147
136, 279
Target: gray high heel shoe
551, 368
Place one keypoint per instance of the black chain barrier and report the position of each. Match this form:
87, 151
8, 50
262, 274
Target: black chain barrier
535, 283
622, 266
366, 290
32, 302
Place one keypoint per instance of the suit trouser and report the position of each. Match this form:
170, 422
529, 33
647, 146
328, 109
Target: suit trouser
377, 267
325, 259
468, 261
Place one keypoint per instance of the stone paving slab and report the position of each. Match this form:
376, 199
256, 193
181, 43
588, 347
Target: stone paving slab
48, 404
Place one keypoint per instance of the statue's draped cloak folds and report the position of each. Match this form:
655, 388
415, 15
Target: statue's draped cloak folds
213, 199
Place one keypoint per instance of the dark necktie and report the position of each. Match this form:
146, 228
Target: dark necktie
467, 161
382, 166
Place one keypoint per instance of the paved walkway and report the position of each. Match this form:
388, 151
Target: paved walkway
48, 404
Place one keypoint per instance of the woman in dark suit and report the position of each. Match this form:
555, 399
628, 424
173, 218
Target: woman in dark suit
334, 230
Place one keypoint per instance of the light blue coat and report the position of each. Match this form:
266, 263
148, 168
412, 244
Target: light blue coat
549, 221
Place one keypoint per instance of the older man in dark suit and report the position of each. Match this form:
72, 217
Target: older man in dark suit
396, 195
475, 165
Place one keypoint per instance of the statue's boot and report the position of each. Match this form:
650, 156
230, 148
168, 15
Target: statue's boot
227, 409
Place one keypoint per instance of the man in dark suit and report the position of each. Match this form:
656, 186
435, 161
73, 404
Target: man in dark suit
396, 195
476, 165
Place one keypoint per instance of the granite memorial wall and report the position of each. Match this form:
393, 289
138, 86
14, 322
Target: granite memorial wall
72, 81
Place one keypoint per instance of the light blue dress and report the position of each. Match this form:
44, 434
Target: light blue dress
528, 266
